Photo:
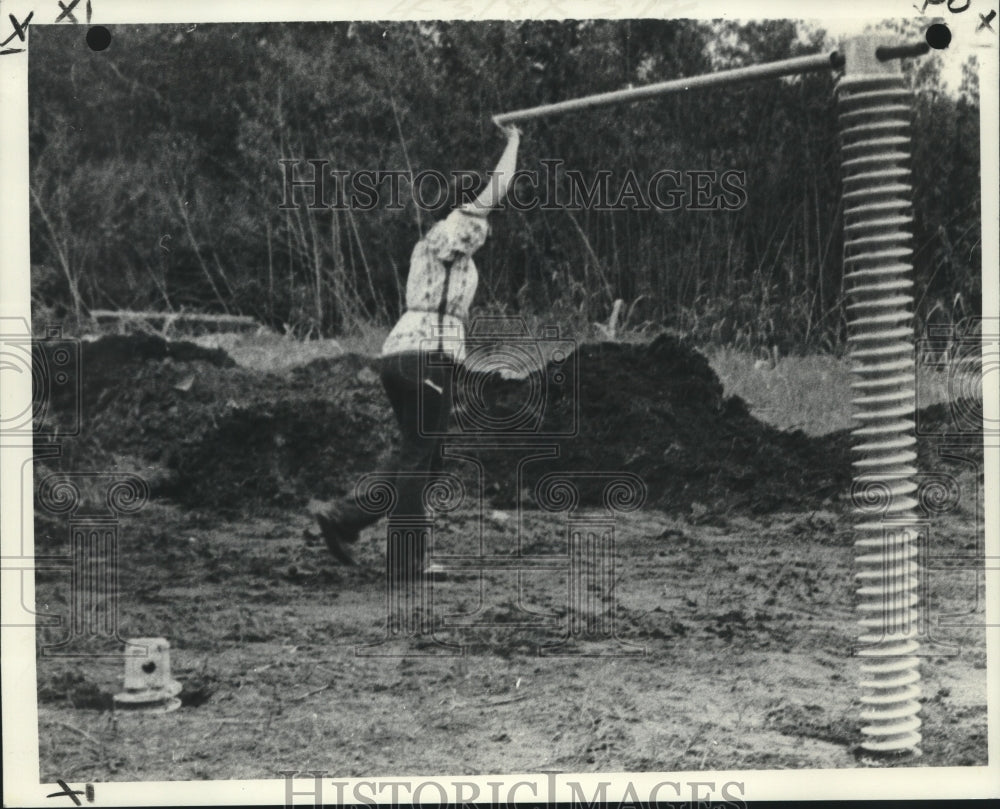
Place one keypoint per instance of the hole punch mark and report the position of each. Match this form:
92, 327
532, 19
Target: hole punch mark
938, 36
98, 38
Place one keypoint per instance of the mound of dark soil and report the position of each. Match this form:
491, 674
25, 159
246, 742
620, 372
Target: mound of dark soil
657, 411
235, 440
224, 437
110, 360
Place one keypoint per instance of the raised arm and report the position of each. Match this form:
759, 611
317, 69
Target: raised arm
501, 176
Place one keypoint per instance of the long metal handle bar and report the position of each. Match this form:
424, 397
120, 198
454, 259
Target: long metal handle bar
784, 67
886, 52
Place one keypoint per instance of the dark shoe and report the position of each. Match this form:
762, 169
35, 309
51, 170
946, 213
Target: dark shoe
330, 525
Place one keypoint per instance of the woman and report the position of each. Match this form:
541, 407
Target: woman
420, 354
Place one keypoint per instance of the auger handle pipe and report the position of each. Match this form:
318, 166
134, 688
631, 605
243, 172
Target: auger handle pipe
886, 52
783, 67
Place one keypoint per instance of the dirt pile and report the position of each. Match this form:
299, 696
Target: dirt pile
216, 436
310, 432
657, 410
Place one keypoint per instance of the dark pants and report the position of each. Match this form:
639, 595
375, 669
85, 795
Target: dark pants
419, 387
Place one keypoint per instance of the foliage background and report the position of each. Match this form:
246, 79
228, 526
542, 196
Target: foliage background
155, 180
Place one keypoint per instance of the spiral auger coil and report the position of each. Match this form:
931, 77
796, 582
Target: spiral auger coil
874, 114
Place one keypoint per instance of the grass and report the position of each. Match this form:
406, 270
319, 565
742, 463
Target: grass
812, 393
268, 351
797, 393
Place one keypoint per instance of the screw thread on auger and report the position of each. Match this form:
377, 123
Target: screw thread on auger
874, 111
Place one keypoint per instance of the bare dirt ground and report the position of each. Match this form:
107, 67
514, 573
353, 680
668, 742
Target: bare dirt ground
733, 602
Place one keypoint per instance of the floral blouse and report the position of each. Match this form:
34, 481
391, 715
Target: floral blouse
443, 257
